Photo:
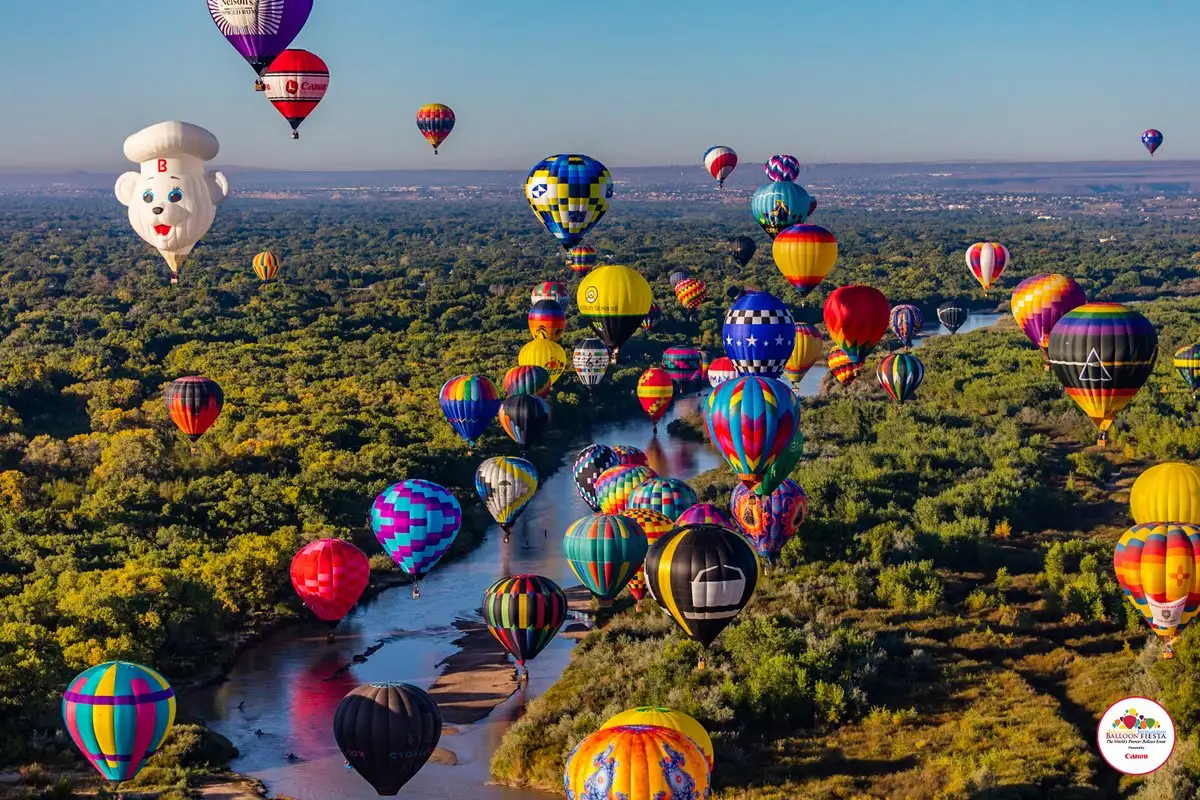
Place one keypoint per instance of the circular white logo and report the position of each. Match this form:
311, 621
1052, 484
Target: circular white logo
1136, 736
592, 294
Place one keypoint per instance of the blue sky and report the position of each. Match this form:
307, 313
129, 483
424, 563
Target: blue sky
631, 82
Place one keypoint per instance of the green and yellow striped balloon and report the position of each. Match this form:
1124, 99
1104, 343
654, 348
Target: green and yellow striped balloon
604, 551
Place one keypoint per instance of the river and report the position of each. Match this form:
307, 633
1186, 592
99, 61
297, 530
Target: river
279, 686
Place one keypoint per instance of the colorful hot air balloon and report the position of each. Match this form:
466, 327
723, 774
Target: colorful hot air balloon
469, 403
652, 318
435, 121
682, 363
805, 254
590, 462
805, 352
721, 370
691, 292
118, 715
1151, 139
842, 368
720, 161
260, 31
506, 485
668, 496
549, 290
296, 81
759, 334
604, 551
1102, 353
703, 575
905, 323
545, 353
653, 524
770, 522
677, 276
581, 258
750, 421
781, 205
194, 403
569, 194
1040, 301
1167, 492
266, 265
615, 485
524, 417
742, 249
1157, 566
856, 317
900, 374
1187, 364
782, 168
416, 521
590, 360
387, 731
637, 761
330, 575
629, 456
526, 380
987, 261
706, 514
655, 393
547, 320
785, 462
953, 315
615, 300
524, 613
666, 718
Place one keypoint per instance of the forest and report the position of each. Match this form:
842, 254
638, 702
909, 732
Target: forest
948, 606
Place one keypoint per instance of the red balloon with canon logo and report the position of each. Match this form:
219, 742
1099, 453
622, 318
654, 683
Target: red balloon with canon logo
296, 81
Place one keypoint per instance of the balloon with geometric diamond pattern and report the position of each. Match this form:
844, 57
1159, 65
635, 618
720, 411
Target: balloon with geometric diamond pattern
759, 334
569, 193
416, 521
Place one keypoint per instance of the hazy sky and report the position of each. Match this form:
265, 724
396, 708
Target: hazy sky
631, 82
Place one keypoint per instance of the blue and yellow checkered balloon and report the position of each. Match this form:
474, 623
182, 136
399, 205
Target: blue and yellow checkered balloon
569, 194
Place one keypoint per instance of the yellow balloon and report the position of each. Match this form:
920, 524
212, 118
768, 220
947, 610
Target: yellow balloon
666, 718
545, 353
1167, 492
805, 254
637, 763
614, 300
1158, 567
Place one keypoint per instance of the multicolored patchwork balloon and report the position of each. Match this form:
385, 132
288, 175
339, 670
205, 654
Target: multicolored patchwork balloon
782, 168
589, 464
805, 254
630, 456
906, 322
469, 403
900, 374
569, 193
435, 121
856, 317
669, 496
653, 524
770, 522
549, 290
706, 514
751, 421
506, 485
842, 368
720, 161
527, 380
615, 485
781, 205
330, 575
987, 262
690, 292
1040, 301
682, 363
524, 613
604, 551
759, 334
416, 521
637, 761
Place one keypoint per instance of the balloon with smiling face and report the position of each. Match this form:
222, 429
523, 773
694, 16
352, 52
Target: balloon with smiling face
172, 199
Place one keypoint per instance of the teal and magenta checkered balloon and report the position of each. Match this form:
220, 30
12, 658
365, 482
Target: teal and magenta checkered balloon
416, 522
669, 496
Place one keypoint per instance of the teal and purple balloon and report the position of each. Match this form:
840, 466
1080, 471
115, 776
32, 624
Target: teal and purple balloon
759, 334
469, 403
781, 204
605, 551
668, 496
706, 514
782, 168
260, 31
416, 521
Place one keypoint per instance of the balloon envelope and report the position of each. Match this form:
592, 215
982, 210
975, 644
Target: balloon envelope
604, 551
590, 360
435, 121
549, 290
759, 334
655, 391
906, 322
668, 496
614, 300
545, 353
1187, 363
770, 522
953, 315
616, 484
742, 248
721, 370
296, 82
805, 352
260, 31
1156, 565
524, 613
1040, 301
547, 320
469, 403
524, 417
720, 161
856, 317
506, 485
900, 374
266, 265
637, 762
805, 254
330, 575
1151, 139
782, 168
569, 193
751, 421
387, 731
987, 261
781, 205
527, 380
416, 521
690, 292
1167, 492
590, 462
581, 258
194, 403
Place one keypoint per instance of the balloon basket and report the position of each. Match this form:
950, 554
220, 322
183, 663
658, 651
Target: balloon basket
295, 134
416, 593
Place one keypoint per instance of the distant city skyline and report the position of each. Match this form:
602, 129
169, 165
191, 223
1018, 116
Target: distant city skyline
631, 83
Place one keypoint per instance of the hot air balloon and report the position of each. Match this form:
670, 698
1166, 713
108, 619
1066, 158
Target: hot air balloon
506, 485
615, 485
547, 320
652, 318
296, 81
900, 374
770, 522
260, 31
1040, 301
721, 370
615, 300
785, 462
703, 575
720, 161
629, 456
524, 417
590, 462
118, 715
987, 261
682, 363
387, 731
637, 761
841, 367
805, 254
1167, 492
668, 496
194, 403
750, 421
1102, 353
706, 514
1187, 364
1151, 139
953, 315
416, 521
266, 265
590, 360
524, 613
655, 393
1156, 564
469, 403
805, 352
545, 353
742, 249
604, 551
677, 276
781, 205
330, 575
759, 334
905, 323
690, 292
782, 168
856, 317
526, 380
549, 290
661, 717
435, 121
581, 258
569, 194
653, 524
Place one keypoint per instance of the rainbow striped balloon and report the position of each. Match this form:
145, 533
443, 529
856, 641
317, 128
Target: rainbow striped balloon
524, 613
604, 551
1040, 301
900, 374
581, 258
118, 714
616, 484
1158, 566
751, 421
469, 403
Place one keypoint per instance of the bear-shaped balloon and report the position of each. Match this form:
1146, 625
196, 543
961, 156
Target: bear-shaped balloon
173, 199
